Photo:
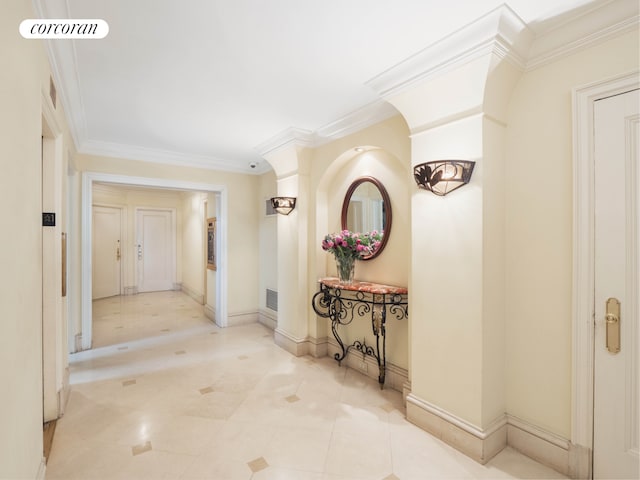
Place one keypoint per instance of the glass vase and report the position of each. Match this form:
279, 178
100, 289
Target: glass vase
346, 267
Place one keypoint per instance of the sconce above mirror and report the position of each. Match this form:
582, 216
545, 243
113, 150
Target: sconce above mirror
367, 207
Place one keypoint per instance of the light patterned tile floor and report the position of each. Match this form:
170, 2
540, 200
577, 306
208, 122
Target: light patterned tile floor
165, 394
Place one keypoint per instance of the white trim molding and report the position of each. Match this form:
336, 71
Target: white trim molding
548, 448
361, 118
295, 346
365, 116
541, 445
268, 318
316, 347
42, 470
482, 445
580, 29
88, 178
583, 298
501, 31
241, 318
196, 295
479, 444
157, 155
210, 313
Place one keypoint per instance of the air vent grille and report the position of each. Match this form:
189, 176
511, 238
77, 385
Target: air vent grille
272, 300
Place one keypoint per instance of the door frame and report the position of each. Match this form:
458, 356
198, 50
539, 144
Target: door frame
174, 241
583, 321
87, 196
54, 307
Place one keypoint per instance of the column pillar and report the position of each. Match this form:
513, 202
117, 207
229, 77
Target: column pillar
292, 249
456, 109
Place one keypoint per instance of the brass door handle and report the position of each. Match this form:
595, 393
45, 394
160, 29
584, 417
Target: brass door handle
118, 251
612, 322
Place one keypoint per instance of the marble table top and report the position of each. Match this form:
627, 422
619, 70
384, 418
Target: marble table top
369, 287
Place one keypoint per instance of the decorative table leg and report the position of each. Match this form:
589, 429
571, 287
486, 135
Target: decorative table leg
342, 306
334, 329
378, 317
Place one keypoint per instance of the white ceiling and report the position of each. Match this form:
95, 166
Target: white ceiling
206, 82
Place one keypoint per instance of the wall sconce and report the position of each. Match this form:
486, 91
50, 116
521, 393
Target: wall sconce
443, 176
283, 205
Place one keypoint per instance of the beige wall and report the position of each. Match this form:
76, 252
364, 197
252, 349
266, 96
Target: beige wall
392, 265
189, 208
21, 279
539, 213
325, 174
242, 228
129, 200
24, 86
193, 254
268, 239
446, 280
537, 236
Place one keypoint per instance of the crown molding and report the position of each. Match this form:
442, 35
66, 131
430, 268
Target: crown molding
287, 138
62, 58
167, 157
500, 31
568, 34
363, 117
118, 189
504, 34
370, 114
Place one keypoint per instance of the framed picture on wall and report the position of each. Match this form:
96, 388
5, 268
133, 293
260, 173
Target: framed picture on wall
211, 243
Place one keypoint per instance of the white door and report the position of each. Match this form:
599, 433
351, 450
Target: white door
107, 250
617, 271
155, 250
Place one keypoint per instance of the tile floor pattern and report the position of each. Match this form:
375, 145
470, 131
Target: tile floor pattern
165, 394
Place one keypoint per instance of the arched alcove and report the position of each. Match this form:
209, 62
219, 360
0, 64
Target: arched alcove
392, 265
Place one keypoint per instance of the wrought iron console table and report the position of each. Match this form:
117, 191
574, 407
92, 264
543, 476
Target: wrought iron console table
342, 303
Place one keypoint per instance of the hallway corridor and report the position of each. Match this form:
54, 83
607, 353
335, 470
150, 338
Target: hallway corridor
165, 394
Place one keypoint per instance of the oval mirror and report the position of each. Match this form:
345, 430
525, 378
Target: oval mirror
367, 207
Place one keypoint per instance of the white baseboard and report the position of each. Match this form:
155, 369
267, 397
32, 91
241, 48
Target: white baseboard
42, 469
132, 290
210, 313
77, 347
316, 347
580, 461
241, 318
479, 444
548, 448
177, 286
406, 390
268, 318
293, 345
197, 296
64, 393
395, 377
233, 319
